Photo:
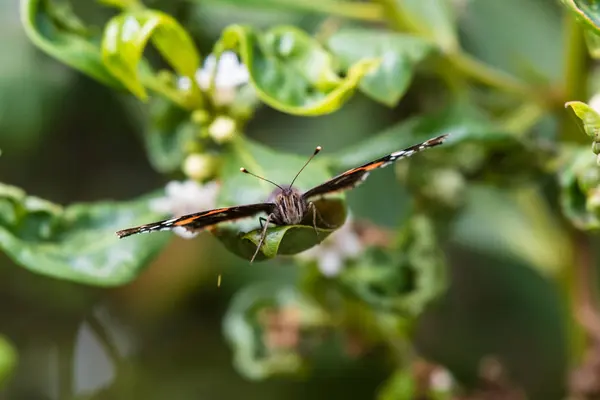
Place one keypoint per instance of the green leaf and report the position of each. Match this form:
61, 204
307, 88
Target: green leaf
167, 135
127, 35
590, 119
242, 237
57, 32
122, 3
243, 327
290, 71
76, 243
433, 19
401, 385
580, 188
399, 55
587, 13
8, 360
405, 281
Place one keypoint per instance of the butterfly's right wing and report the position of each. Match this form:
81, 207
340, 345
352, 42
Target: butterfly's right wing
201, 220
355, 176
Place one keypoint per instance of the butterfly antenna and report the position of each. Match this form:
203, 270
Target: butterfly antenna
317, 150
244, 170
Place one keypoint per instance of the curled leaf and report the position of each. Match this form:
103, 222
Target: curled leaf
580, 190
398, 53
404, 281
290, 70
76, 243
588, 15
590, 119
242, 237
59, 33
127, 35
249, 326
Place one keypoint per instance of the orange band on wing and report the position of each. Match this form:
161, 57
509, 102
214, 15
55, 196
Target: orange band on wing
192, 219
369, 167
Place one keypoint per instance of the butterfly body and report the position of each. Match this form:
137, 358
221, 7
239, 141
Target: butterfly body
287, 205
290, 207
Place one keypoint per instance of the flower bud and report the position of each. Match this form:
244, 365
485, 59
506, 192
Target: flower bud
199, 166
222, 129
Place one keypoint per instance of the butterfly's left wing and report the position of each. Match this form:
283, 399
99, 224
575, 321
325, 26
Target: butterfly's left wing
201, 220
355, 176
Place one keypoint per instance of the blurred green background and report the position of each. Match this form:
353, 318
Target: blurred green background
67, 138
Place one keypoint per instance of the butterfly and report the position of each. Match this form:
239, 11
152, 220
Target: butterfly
289, 206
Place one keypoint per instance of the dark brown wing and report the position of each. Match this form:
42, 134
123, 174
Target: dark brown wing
355, 176
201, 220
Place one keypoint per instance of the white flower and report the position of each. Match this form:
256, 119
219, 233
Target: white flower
230, 73
222, 129
199, 166
441, 380
343, 244
186, 198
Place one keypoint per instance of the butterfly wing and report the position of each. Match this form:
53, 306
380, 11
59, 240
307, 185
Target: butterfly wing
201, 220
355, 176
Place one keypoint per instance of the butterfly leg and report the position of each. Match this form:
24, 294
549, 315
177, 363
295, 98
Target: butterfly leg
313, 208
261, 220
263, 235
316, 213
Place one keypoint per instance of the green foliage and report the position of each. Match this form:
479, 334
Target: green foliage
8, 360
407, 279
126, 36
246, 328
58, 32
291, 71
590, 119
399, 54
588, 14
75, 243
496, 89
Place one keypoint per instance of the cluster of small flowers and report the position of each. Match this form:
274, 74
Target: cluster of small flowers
191, 196
229, 75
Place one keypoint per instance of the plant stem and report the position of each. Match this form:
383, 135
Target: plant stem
523, 118
463, 62
345, 9
489, 75
575, 76
580, 285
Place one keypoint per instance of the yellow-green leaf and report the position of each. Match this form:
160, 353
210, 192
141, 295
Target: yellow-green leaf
127, 35
57, 32
590, 119
587, 13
